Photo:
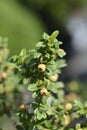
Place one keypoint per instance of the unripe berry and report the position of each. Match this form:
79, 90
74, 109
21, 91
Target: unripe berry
4, 75
22, 107
68, 106
44, 92
53, 78
67, 119
42, 67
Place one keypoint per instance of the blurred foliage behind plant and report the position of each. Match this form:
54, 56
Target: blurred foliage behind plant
57, 9
25, 20
19, 24
10, 92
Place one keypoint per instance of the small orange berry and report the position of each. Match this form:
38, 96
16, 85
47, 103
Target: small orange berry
42, 67
68, 106
22, 107
44, 92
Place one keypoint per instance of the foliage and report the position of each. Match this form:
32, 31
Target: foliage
39, 70
8, 82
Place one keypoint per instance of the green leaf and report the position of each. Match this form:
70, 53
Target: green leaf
40, 44
52, 50
54, 127
78, 126
61, 63
61, 52
23, 52
39, 127
54, 35
43, 107
34, 95
39, 115
37, 55
32, 87
47, 55
20, 60
44, 115
59, 42
78, 104
25, 81
34, 106
82, 112
48, 123
53, 87
13, 58
45, 36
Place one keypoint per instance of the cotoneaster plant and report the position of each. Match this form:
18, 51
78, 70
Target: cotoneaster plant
39, 70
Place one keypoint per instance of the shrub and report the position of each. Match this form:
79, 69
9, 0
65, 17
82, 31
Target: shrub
39, 70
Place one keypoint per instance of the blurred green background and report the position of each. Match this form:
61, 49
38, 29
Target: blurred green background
24, 21
22, 27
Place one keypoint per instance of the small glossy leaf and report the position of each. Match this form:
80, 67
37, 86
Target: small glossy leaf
40, 44
44, 115
37, 55
48, 123
61, 63
39, 115
34, 95
54, 35
45, 36
43, 107
61, 52
55, 86
23, 52
25, 81
32, 87
47, 55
